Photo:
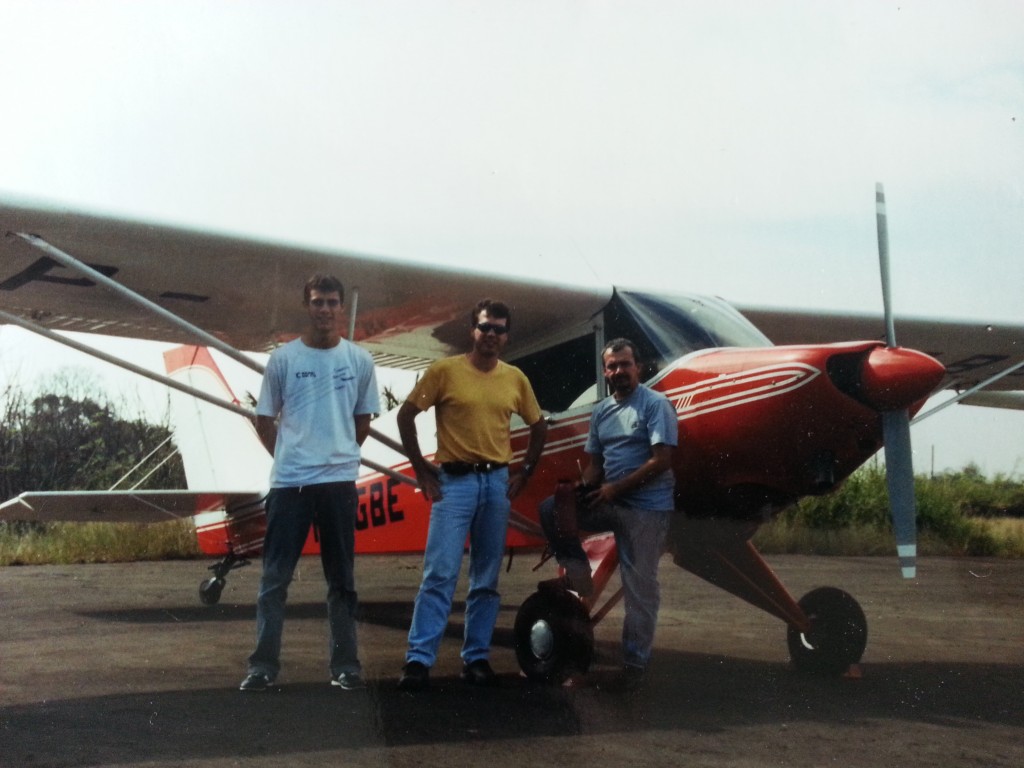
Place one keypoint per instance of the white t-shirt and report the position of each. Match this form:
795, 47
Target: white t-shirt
317, 393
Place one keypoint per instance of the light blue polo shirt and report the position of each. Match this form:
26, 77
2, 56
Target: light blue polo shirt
623, 432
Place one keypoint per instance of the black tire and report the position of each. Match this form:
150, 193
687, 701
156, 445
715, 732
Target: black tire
554, 637
838, 635
209, 590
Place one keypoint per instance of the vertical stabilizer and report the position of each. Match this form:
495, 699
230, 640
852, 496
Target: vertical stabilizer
219, 448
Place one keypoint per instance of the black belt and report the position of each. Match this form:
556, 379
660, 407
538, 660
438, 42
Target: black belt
465, 467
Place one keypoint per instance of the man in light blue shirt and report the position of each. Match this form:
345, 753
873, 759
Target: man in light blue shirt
628, 489
319, 393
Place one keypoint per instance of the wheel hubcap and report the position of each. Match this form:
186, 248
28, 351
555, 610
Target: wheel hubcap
542, 640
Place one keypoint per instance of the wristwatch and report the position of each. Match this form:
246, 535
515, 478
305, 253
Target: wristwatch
527, 469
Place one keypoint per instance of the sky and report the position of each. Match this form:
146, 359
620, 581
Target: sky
729, 148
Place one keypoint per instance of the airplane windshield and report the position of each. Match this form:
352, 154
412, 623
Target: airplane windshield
673, 326
663, 327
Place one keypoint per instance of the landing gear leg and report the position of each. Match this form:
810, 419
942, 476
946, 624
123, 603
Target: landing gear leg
210, 589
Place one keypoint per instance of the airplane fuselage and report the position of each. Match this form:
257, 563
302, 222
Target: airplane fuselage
759, 428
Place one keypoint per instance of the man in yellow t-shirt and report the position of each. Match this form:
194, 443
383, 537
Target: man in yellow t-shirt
473, 396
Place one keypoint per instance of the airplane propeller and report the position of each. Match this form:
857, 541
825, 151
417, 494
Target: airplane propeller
899, 466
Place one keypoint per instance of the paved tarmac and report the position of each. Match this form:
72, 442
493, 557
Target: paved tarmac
120, 665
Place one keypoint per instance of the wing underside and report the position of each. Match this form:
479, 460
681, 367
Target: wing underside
249, 293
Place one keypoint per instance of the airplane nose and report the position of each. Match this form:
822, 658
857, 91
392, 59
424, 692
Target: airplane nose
894, 378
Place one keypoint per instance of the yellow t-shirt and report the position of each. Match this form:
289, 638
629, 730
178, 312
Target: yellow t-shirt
473, 408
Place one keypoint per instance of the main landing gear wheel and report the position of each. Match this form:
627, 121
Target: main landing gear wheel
838, 634
554, 637
210, 589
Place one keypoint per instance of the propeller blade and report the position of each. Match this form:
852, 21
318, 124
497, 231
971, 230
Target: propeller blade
899, 463
899, 476
883, 263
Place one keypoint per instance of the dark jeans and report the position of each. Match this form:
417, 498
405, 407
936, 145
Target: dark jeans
332, 508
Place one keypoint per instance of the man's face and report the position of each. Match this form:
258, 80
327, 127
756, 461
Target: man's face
621, 371
323, 307
490, 341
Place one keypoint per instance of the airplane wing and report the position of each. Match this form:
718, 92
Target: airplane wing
117, 506
972, 350
249, 294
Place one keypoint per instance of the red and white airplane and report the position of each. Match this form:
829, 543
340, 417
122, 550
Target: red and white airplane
761, 426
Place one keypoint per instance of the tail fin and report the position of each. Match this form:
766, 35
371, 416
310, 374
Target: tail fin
220, 449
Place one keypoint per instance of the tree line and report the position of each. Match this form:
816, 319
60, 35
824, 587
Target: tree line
67, 440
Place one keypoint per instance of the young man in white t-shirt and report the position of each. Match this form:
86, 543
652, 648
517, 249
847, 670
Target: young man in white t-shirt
319, 393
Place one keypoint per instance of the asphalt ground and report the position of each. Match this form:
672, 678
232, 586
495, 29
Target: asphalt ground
121, 665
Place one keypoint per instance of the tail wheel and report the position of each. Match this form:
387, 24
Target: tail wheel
554, 638
838, 634
209, 590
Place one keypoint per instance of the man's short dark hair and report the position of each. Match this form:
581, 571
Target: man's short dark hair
617, 345
495, 309
324, 284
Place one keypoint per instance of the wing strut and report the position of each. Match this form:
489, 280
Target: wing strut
207, 339
93, 352
967, 393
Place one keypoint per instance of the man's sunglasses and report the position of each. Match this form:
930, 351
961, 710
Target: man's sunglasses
501, 330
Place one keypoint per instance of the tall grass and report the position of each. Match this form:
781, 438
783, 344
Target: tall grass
63, 543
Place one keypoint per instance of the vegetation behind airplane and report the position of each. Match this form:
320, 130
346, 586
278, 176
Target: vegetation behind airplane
72, 438
961, 513
69, 437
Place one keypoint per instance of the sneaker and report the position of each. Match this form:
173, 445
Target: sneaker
255, 681
415, 677
479, 672
349, 681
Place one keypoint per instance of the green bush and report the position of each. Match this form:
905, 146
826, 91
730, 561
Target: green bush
951, 513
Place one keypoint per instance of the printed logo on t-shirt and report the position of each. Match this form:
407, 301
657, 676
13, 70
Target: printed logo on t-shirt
342, 376
305, 374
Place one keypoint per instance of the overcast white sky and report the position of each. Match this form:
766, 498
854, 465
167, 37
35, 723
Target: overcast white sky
728, 148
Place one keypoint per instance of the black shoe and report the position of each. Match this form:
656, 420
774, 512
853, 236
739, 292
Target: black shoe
415, 677
479, 672
349, 681
255, 681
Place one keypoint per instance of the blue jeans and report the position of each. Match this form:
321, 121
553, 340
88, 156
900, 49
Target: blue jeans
473, 505
640, 541
290, 511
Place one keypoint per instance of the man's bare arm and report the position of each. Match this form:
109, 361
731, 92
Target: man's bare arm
266, 430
